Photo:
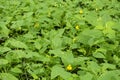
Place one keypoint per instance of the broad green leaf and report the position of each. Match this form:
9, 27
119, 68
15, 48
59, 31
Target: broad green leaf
108, 66
110, 23
39, 70
56, 40
80, 60
99, 4
54, 33
37, 45
99, 27
15, 54
93, 67
92, 33
116, 26
36, 56
57, 70
4, 49
108, 46
7, 76
16, 44
87, 76
90, 37
56, 43
83, 39
91, 17
56, 52
68, 25
44, 78
29, 14
16, 70
109, 32
34, 76
98, 55
110, 75
82, 50
91, 41
29, 36
3, 61
3, 29
74, 46
67, 58
116, 58
67, 40
17, 24
31, 54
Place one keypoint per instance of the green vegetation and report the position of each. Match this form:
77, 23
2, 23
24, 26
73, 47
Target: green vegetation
59, 39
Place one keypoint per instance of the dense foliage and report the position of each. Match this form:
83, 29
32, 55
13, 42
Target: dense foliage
60, 39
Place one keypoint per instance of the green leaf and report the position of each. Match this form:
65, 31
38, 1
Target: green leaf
56, 43
57, 70
17, 24
106, 66
4, 49
83, 39
67, 58
29, 36
56, 40
7, 76
15, 54
16, 70
92, 33
3, 61
37, 45
56, 52
3, 29
110, 24
92, 17
29, 14
36, 56
109, 32
116, 26
54, 33
98, 55
93, 67
116, 58
31, 54
110, 75
90, 37
87, 76
34, 76
80, 60
16, 43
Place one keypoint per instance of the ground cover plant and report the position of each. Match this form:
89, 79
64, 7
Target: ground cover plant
59, 39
